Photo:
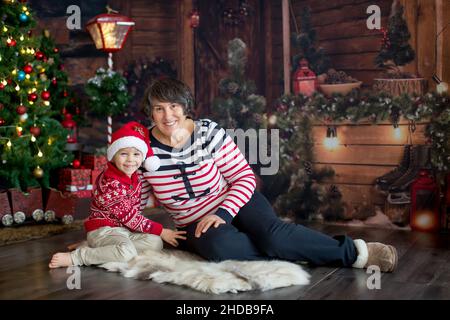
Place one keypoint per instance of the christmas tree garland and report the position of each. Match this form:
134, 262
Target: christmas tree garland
305, 193
373, 107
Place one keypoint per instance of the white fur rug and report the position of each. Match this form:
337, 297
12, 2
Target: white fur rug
183, 268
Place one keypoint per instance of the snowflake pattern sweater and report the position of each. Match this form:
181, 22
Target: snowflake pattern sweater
208, 175
117, 203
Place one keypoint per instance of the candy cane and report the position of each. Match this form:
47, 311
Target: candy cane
109, 129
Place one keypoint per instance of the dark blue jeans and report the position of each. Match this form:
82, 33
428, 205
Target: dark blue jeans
256, 233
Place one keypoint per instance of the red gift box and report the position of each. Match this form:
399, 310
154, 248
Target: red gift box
95, 162
94, 176
74, 177
78, 191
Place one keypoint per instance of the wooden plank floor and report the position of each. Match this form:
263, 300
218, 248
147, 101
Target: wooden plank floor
423, 273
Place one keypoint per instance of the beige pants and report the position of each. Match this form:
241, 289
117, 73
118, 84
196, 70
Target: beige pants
108, 244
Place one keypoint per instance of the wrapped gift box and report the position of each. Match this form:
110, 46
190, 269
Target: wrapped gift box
94, 175
95, 162
74, 177
78, 191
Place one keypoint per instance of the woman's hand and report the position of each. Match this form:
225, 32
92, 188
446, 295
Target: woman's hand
206, 222
171, 236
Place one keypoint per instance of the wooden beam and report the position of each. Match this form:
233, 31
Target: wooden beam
268, 58
426, 40
186, 60
286, 46
443, 46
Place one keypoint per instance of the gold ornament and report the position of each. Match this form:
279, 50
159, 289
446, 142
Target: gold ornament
38, 172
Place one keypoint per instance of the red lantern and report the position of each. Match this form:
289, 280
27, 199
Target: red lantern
425, 203
195, 19
109, 31
304, 79
69, 124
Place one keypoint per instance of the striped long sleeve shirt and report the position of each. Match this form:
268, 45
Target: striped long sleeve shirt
207, 175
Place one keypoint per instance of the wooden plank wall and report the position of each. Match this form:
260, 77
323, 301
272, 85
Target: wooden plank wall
342, 32
366, 151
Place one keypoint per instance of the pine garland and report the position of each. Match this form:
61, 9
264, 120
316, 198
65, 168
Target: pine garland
305, 194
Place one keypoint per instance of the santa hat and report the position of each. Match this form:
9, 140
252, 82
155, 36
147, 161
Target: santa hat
135, 135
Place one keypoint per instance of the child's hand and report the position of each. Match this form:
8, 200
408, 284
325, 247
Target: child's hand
171, 236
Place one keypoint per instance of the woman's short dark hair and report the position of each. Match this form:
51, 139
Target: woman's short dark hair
168, 90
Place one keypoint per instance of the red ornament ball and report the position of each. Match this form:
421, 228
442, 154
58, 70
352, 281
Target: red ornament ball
2, 121
12, 43
32, 97
28, 69
45, 95
54, 82
65, 94
35, 131
21, 109
2, 86
76, 163
56, 50
39, 55
9, 81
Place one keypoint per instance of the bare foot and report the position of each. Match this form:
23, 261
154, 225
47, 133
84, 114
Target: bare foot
74, 246
60, 259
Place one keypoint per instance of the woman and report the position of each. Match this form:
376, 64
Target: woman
208, 188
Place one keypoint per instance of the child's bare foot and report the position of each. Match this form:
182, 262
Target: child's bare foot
60, 259
75, 245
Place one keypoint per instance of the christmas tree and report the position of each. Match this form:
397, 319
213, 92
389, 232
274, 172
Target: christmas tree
238, 105
304, 43
395, 49
32, 140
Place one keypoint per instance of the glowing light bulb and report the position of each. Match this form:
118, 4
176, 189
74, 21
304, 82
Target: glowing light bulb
9, 144
4, 82
47, 103
331, 142
17, 88
397, 132
40, 154
27, 76
5, 29
23, 51
14, 72
50, 141
21, 38
33, 139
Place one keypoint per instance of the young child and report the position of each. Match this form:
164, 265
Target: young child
116, 230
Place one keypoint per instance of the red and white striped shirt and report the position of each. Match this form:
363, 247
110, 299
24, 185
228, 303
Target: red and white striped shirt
209, 172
